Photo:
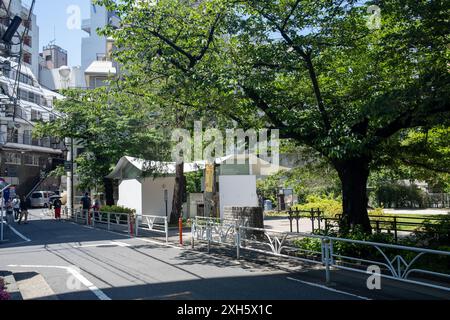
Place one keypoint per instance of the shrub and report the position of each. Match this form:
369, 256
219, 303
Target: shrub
329, 205
434, 234
117, 209
400, 196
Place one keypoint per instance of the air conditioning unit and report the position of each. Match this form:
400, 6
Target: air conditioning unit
9, 110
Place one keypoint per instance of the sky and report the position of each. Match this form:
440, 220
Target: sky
55, 22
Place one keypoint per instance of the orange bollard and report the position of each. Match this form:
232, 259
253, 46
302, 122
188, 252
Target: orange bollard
180, 225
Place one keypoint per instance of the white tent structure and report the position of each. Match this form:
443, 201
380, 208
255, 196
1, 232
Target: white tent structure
147, 186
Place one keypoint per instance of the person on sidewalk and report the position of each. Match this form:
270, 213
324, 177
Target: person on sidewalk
16, 207
86, 205
9, 213
25, 205
57, 205
96, 208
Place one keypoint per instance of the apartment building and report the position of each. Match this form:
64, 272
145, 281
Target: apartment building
96, 63
24, 160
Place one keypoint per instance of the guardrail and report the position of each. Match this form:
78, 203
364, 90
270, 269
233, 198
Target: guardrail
154, 224
388, 223
392, 260
150, 223
109, 219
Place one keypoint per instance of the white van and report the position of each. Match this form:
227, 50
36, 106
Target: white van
40, 199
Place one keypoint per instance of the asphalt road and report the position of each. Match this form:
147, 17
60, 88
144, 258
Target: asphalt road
66, 261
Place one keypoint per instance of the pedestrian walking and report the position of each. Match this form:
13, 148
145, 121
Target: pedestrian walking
16, 207
86, 205
96, 208
57, 205
25, 205
9, 213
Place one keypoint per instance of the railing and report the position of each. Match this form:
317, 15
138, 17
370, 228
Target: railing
395, 262
108, 219
388, 223
154, 224
393, 224
27, 139
314, 215
112, 220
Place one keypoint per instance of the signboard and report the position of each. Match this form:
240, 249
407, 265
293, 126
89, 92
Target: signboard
209, 178
68, 166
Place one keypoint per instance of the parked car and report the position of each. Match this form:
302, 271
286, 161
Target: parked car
40, 199
52, 199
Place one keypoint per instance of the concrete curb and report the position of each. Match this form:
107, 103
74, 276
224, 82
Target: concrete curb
11, 285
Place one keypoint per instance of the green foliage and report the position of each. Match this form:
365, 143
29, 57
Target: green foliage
434, 235
107, 125
194, 182
58, 172
117, 209
396, 195
312, 69
350, 249
327, 204
311, 178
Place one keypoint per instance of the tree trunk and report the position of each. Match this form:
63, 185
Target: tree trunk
179, 190
354, 175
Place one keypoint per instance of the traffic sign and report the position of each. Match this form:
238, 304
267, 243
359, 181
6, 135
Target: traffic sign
68, 165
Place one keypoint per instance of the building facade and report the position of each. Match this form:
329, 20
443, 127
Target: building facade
53, 57
96, 62
24, 160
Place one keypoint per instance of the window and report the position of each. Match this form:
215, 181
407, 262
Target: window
13, 158
27, 23
35, 115
27, 40
27, 58
36, 195
31, 160
27, 137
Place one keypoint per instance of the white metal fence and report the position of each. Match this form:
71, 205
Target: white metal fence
155, 224
396, 262
122, 222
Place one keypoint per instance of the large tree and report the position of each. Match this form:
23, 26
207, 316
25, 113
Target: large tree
106, 126
316, 70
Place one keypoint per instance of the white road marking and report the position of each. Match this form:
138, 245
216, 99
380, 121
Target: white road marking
99, 293
327, 288
99, 245
18, 233
121, 244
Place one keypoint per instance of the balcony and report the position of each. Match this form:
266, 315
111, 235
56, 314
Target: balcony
28, 140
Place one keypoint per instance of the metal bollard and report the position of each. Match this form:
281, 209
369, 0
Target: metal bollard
327, 263
180, 230
166, 229
192, 234
109, 222
137, 226
238, 241
208, 234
